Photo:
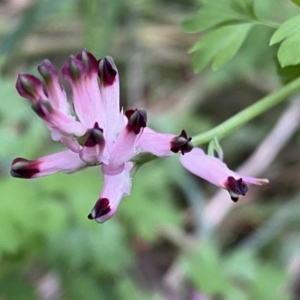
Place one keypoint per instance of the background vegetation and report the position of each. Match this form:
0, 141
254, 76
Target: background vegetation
175, 236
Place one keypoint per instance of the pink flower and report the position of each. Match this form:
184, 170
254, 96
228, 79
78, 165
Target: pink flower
103, 134
216, 172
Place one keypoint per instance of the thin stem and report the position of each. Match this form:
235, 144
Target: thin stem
248, 113
90, 24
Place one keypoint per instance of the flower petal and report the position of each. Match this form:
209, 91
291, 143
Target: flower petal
67, 125
158, 144
66, 161
114, 189
75, 71
110, 92
56, 95
92, 87
216, 172
125, 146
94, 150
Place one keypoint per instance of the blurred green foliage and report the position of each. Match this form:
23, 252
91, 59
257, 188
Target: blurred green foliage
48, 247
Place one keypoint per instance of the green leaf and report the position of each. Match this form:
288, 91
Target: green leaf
205, 20
297, 2
289, 36
219, 46
288, 28
289, 73
214, 13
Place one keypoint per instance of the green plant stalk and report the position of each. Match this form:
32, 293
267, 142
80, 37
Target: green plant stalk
90, 24
248, 113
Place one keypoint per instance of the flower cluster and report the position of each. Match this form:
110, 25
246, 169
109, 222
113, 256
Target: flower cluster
103, 135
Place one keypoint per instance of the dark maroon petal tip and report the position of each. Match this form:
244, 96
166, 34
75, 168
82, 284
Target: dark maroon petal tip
28, 86
94, 137
107, 71
236, 188
23, 168
137, 119
74, 69
101, 208
42, 108
181, 143
89, 60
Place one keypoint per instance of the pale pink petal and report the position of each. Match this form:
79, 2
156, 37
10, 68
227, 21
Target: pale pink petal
66, 161
158, 144
95, 155
75, 72
125, 146
93, 88
123, 150
56, 95
30, 87
95, 150
71, 143
114, 189
67, 125
110, 92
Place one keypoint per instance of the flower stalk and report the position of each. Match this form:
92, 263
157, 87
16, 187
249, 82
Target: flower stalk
248, 113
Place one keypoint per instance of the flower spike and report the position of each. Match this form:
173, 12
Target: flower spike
100, 134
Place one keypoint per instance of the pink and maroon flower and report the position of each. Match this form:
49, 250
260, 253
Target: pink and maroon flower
102, 135
216, 172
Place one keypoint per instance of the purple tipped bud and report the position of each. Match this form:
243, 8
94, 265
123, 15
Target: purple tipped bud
236, 188
29, 86
47, 71
137, 119
23, 168
94, 137
107, 70
101, 208
42, 108
181, 143
74, 69
89, 61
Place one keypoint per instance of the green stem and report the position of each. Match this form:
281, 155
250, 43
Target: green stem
248, 113
90, 24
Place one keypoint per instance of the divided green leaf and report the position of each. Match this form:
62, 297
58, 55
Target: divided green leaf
219, 46
289, 36
229, 21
